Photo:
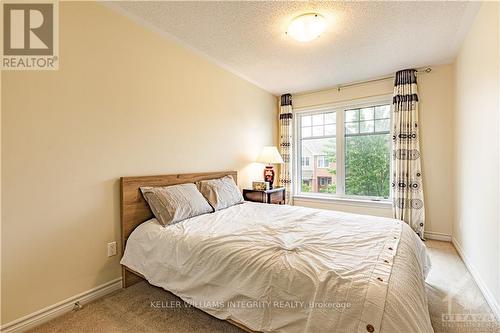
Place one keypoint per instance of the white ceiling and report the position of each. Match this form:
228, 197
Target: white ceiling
363, 40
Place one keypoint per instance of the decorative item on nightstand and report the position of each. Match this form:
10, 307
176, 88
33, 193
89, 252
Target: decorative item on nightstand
260, 186
269, 155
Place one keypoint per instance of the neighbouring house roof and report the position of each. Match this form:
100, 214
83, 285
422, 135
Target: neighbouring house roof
314, 147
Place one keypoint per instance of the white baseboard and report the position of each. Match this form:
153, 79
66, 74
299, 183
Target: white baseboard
495, 307
437, 236
36, 318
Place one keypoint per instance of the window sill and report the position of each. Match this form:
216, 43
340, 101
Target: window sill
344, 201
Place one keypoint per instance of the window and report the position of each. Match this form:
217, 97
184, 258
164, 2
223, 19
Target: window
322, 161
324, 183
361, 136
318, 139
305, 161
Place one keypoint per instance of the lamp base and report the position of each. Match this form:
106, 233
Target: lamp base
269, 176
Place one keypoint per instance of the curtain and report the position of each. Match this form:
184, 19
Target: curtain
407, 173
286, 139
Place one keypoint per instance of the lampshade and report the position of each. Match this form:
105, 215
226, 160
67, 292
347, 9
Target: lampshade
270, 155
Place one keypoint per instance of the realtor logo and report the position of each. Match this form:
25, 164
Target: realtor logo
30, 36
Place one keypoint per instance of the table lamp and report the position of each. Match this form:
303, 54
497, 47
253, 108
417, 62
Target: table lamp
269, 155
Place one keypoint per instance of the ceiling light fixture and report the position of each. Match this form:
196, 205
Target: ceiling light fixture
307, 27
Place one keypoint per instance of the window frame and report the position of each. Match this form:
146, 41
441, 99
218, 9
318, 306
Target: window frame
339, 109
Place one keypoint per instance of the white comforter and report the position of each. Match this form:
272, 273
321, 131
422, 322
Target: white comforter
290, 269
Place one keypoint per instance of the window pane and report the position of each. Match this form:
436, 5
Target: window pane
306, 132
366, 114
317, 130
351, 115
351, 128
330, 118
320, 152
306, 121
382, 125
367, 170
317, 119
383, 111
366, 126
330, 129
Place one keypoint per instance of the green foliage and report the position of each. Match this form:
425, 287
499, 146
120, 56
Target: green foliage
332, 188
306, 187
367, 165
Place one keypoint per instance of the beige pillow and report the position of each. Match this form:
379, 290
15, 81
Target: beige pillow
172, 204
220, 193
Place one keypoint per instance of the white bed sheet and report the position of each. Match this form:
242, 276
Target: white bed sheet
290, 269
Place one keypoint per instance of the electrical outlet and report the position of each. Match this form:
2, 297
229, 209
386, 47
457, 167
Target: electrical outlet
111, 249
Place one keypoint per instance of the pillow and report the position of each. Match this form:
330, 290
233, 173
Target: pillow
220, 193
172, 204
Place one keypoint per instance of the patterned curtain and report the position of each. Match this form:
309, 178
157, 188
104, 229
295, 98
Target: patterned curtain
286, 131
407, 173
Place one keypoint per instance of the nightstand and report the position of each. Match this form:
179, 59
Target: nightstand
274, 196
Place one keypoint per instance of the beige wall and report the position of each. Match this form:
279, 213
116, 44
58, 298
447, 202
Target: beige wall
476, 226
124, 102
436, 108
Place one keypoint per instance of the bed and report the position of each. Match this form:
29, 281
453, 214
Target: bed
279, 268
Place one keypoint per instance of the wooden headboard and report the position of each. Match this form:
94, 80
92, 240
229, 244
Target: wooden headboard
135, 210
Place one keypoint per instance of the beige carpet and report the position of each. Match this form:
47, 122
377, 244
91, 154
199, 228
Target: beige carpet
131, 310
451, 290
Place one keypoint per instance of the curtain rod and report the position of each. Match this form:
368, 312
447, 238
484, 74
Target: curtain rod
423, 70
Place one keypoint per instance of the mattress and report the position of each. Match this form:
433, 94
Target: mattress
279, 268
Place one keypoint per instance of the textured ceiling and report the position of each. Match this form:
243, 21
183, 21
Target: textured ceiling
363, 40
